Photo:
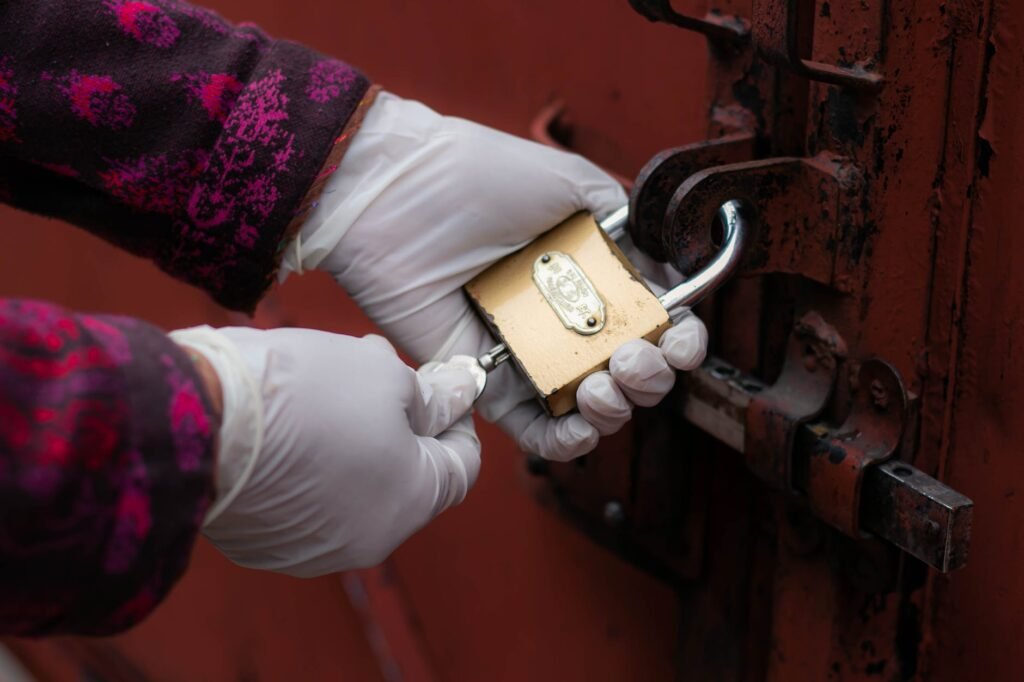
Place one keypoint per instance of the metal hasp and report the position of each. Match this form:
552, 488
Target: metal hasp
871, 433
716, 26
808, 219
663, 175
923, 516
775, 34
862, 493
776, 415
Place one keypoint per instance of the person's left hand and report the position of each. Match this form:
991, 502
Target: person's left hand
420, 205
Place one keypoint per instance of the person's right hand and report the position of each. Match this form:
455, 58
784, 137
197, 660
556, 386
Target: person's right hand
332, 450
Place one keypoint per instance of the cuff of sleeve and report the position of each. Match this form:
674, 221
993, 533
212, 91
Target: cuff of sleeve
164, 480
241, 431
291, 243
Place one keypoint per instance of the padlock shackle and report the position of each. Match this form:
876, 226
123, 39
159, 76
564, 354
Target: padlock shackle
713, 275
736, 236
615, 224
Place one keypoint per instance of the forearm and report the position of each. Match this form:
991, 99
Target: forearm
106, 468
169, 132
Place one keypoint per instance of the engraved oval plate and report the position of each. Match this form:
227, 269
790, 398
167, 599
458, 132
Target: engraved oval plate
569, 293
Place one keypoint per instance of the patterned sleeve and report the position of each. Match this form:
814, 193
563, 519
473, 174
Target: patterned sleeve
169, 132
106, 460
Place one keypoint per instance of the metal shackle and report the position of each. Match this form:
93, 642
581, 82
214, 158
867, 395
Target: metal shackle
692, 290
689, 292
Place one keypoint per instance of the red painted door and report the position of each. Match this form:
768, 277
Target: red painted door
499, 588
756, 587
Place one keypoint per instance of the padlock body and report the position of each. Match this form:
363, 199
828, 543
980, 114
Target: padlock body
540, 308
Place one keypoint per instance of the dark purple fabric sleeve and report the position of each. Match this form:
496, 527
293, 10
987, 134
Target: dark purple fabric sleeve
167, 131
106, 469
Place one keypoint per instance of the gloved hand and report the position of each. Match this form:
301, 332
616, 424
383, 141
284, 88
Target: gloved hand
420, 205
332, 451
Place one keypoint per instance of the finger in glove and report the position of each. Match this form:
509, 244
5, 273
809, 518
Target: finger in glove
446, 395
685, 345
603, 404
455, 459
560, 440
642, 373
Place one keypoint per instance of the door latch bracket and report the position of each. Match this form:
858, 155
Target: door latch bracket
821, 244
716, 26
849, 475
838, 459
773, 30
776, 414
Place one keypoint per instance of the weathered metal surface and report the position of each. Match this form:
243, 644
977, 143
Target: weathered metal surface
659, 179
626, 496
776, 36
776, 414
716, 400
805, 211
834, 477
890, 500
922, 516
973, 626
716, 26
775, 31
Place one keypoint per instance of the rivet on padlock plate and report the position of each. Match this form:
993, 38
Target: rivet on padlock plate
564, 303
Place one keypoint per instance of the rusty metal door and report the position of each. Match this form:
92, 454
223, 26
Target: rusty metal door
801, 509
864, 374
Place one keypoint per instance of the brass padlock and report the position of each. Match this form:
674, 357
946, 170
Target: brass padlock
565, 302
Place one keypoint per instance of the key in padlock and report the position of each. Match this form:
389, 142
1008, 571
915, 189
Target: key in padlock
564, 303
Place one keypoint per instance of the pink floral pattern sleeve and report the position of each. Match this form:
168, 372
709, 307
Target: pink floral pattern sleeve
106, 459
198, 144
164, 129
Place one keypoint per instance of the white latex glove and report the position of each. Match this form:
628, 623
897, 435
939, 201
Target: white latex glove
421, 204
332, 451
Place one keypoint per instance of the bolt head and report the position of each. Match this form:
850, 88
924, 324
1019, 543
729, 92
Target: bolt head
614, 514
